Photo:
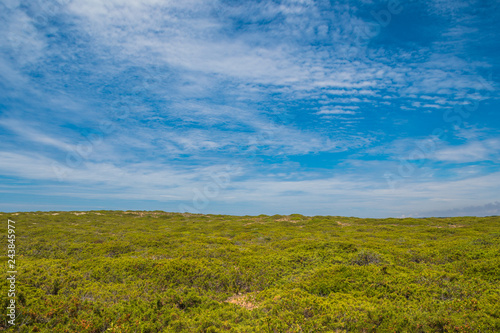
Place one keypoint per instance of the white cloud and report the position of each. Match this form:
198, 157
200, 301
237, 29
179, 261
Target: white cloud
470, 152
475, 149
27, 132
489, 209
213, 90
145, 182
311, 194
337, 110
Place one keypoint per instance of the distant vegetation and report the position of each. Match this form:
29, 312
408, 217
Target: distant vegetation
106, 271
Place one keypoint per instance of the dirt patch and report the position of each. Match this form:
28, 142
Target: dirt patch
343, 224
141, 214
152, 214
81, 213
241, 300
287, 219
449, 226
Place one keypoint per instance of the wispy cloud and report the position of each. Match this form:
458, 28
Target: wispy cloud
348, 109
312, 195
489, 209
28, 133
314, 100
470, 152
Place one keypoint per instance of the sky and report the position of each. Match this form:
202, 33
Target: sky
344, 108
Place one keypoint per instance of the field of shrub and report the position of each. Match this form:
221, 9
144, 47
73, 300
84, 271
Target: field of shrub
113, 271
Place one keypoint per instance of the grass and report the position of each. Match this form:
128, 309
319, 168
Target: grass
113, 271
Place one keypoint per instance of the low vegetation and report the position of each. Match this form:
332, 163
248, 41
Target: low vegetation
108, 271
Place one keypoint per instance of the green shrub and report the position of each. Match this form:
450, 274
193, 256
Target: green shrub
131, 271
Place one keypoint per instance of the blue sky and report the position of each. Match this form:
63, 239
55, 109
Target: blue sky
355, 108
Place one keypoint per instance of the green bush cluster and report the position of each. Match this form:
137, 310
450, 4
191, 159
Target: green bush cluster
113, 271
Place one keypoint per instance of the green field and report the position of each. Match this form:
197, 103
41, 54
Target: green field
113, 271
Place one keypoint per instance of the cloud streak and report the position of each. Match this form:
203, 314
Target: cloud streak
144, 99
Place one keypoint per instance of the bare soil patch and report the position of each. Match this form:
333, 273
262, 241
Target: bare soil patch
241, 300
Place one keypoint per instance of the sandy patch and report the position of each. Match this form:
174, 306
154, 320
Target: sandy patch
343, 224
241, 300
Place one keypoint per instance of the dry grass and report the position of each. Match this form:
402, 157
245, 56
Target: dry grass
242, 300
343, 224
